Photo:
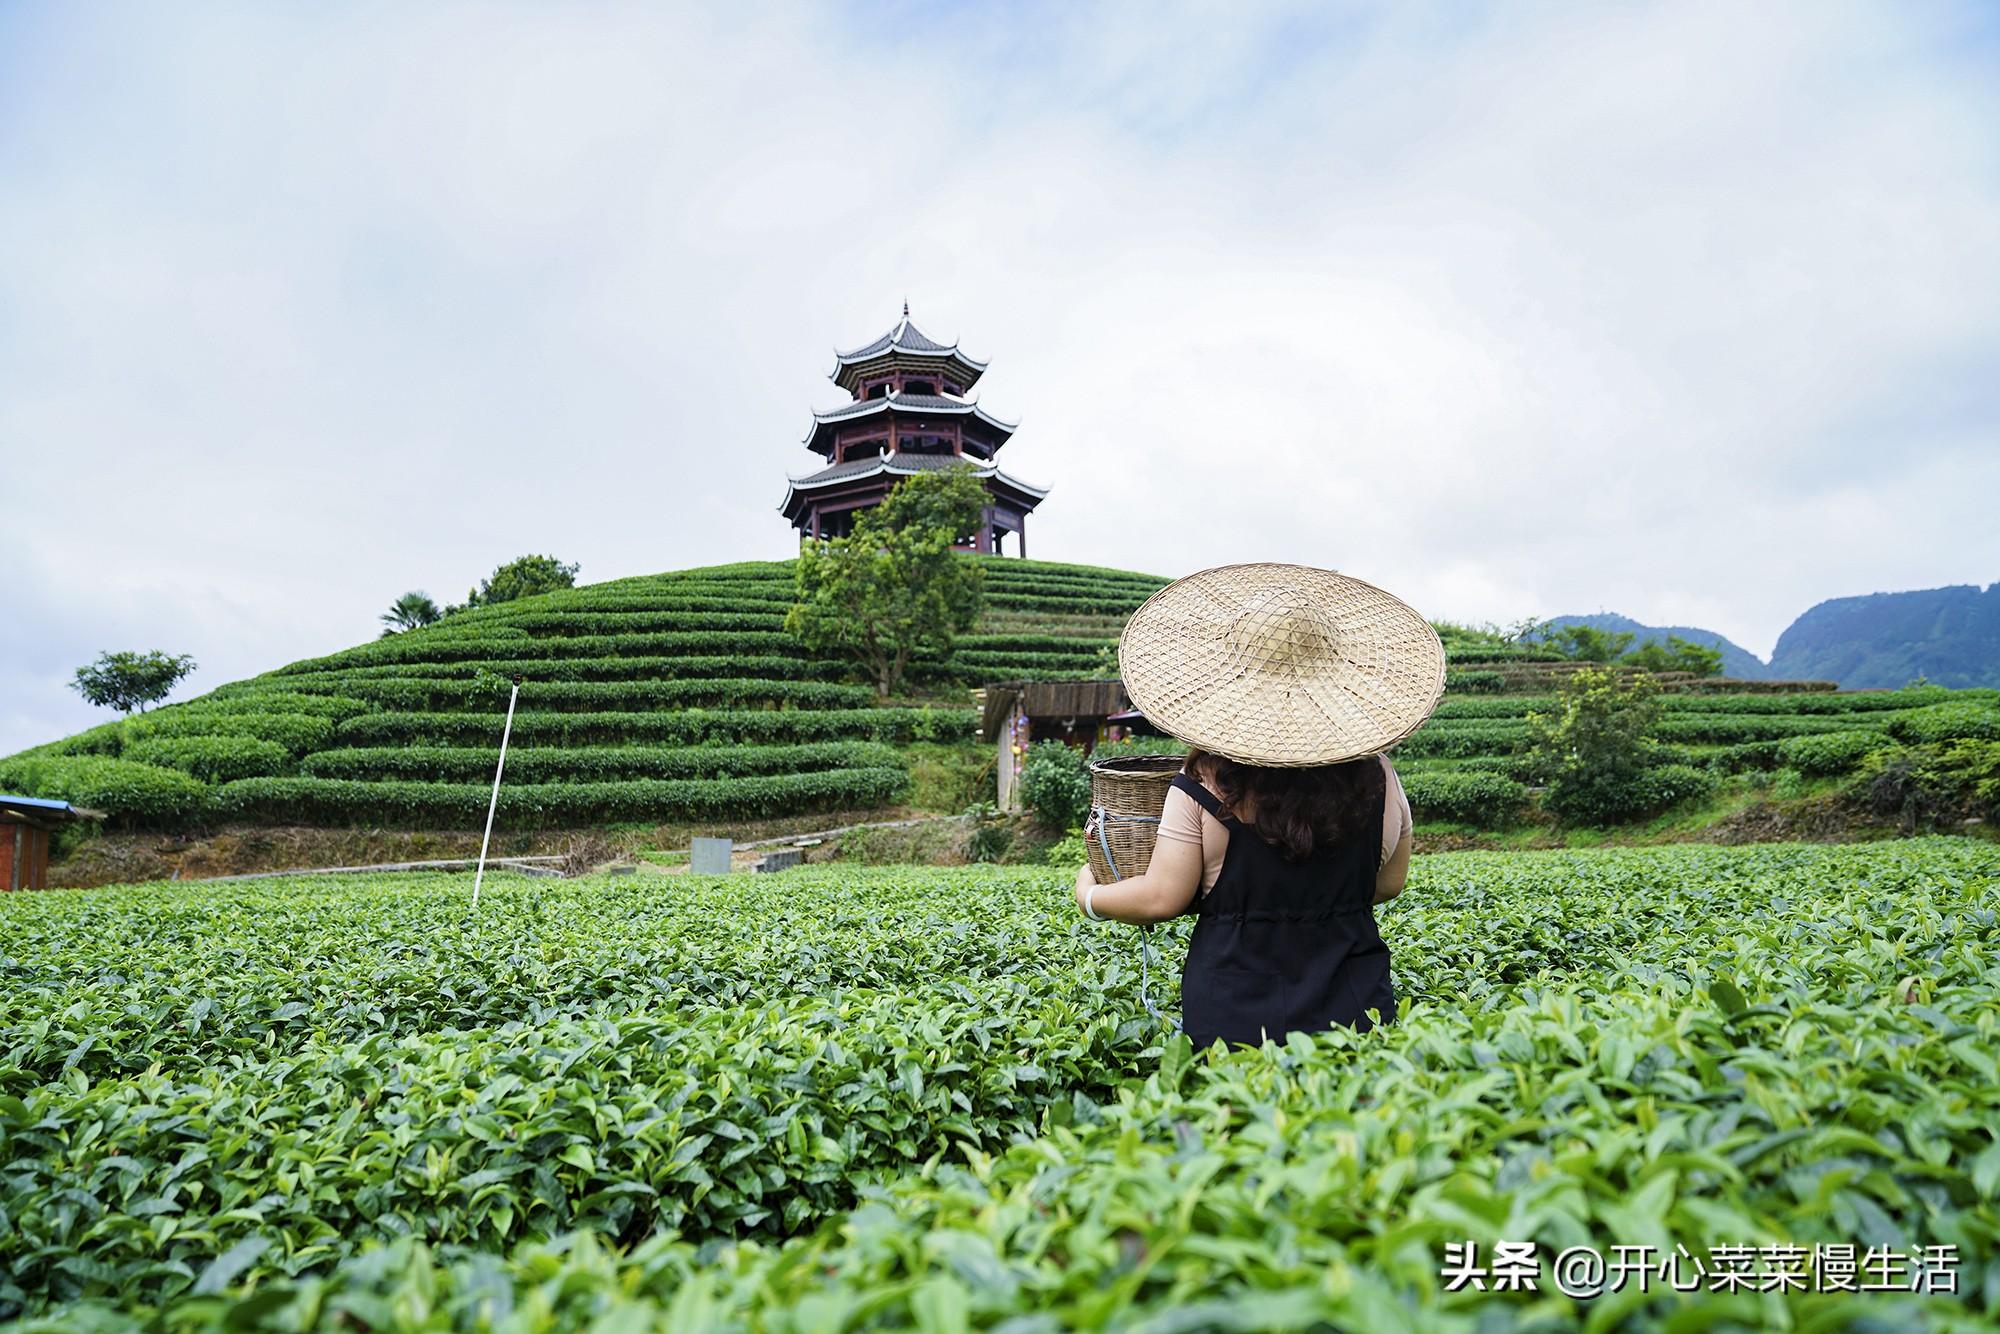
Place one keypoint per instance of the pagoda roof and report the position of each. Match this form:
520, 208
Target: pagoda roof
905, 340
923, 405
899, 464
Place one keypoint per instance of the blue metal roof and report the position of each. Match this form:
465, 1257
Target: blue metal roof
34, 803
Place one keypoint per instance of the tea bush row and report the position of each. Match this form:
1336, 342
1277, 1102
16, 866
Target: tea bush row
677, 604
777, 667
130, 792
1064, 602
297, 722
594, 763
563, 624
447, 694
1065, 645
296, 732
1475, 682
982, 667
1467, 796
1957, 720
675, 727
469, 648
463, 805
213, 759
1519, 706
1829, 752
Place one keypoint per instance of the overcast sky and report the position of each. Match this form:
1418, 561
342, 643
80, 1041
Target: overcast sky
1687, 311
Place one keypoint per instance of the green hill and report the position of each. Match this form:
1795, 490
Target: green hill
671, 696
680, 698
1947, 635
1737, 662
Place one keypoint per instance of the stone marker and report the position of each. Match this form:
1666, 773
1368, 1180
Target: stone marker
710, 856
780, 861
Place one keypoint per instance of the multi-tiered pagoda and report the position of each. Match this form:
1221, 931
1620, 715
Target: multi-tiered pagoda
909, 415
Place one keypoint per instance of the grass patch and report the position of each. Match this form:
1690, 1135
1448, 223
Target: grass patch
948, 776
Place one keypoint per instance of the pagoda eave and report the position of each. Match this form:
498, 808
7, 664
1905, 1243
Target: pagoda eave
909, 408
844, 484
946, 366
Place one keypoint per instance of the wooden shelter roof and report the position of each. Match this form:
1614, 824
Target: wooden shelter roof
41, 811
1048, 699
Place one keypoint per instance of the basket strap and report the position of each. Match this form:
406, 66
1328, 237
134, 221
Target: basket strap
1100, 817
1205, 799
1145, 990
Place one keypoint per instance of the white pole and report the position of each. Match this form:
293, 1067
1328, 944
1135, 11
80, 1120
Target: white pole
494, 801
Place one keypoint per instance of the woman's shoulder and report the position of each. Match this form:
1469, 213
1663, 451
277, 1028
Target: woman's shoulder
1181, 817
1189, 784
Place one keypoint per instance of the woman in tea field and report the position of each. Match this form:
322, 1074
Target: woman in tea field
1287, 824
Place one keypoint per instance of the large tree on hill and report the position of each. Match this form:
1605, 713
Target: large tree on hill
411, 611
522, 577
128, 681
1587, 643
1676, 655
891, 591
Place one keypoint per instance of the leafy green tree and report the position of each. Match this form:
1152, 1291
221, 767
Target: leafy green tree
1587, 643
1676, 655
128, 681
522, 577
411, 611
1055, 784
1593, 751
891, 592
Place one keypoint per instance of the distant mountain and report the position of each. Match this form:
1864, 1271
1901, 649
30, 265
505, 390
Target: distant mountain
1950, 636
1737, 661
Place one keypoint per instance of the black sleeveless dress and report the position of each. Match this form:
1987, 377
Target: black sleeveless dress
1280, 947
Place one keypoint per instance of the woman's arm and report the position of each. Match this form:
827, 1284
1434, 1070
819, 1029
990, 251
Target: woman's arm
1397, 835
1161, 894
1390, 879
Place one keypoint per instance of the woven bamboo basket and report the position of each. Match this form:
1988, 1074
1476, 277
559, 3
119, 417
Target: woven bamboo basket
1126, 797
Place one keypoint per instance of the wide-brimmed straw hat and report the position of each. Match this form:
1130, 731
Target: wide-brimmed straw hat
1281, 665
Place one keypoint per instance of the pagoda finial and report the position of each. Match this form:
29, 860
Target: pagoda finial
906, 310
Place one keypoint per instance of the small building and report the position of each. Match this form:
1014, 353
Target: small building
909, 414
1084, 714
25, 825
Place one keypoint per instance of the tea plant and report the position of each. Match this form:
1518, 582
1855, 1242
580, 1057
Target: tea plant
916, 1097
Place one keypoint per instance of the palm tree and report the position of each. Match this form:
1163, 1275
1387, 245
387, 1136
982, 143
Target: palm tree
410, 611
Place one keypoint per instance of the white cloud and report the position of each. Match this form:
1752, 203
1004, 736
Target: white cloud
1671, 310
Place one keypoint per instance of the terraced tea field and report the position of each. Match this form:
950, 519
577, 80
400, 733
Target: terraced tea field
925, 1098
1468, 762
672, 697
680, 697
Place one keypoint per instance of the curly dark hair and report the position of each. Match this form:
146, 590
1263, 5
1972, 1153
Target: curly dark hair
1298, 810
